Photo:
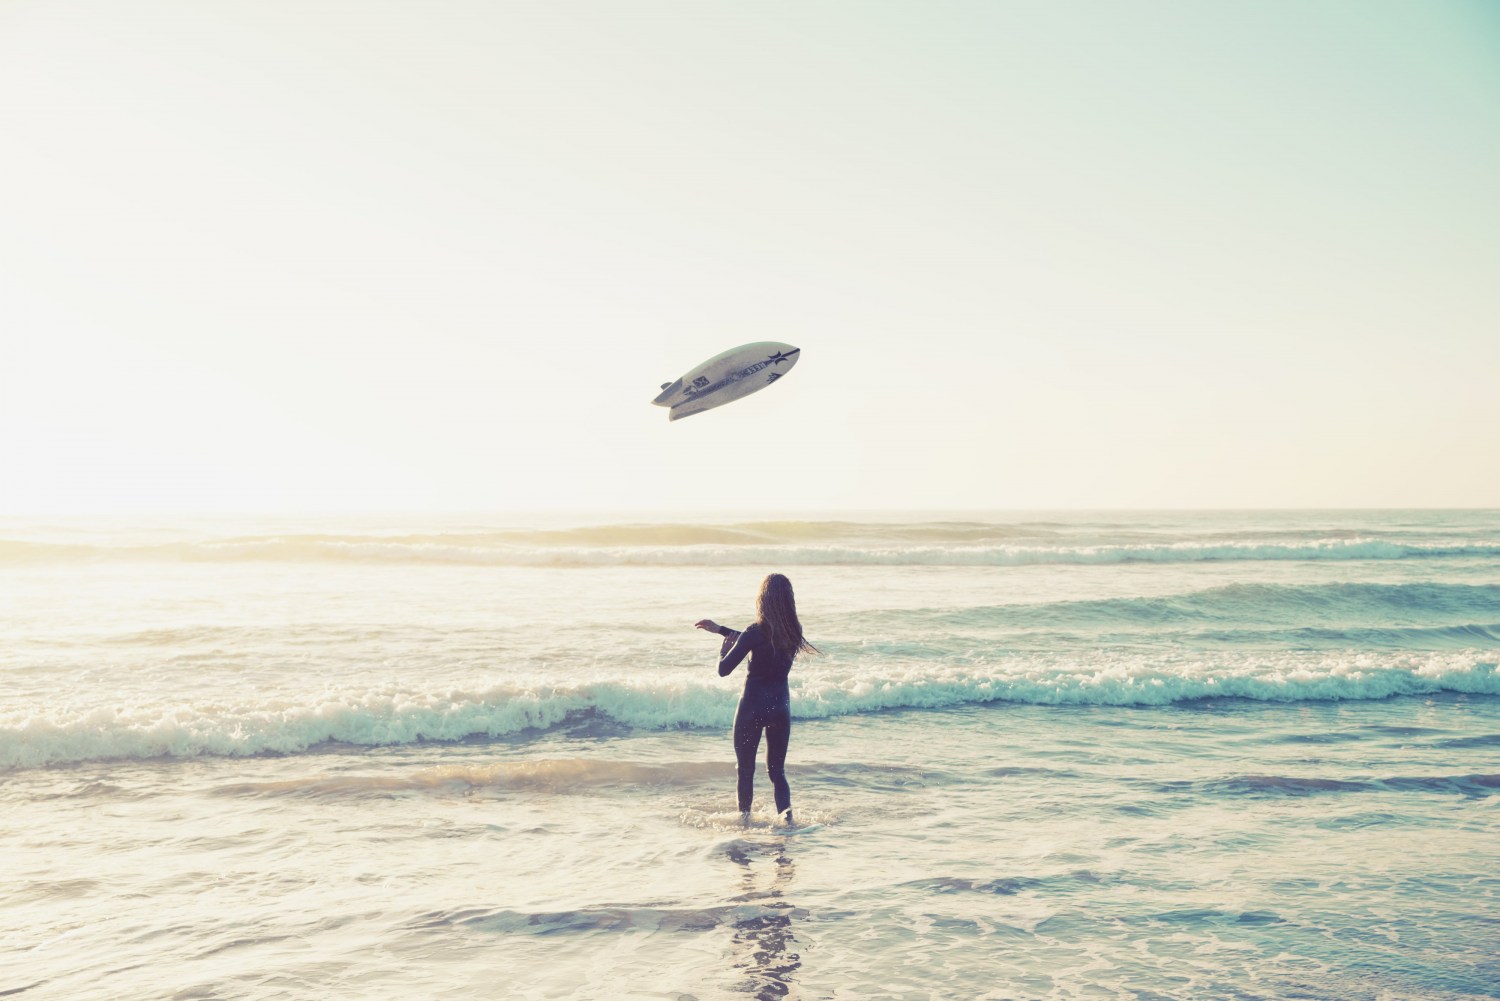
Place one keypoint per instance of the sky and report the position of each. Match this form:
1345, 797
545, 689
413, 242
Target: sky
368, 256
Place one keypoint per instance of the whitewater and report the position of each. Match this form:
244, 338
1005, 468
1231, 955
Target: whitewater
1049, 754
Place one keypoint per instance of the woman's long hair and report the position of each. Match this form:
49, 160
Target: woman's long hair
776, 611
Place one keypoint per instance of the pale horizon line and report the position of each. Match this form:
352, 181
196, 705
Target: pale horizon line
759, 513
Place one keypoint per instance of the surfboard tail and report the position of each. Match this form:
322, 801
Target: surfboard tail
668, 390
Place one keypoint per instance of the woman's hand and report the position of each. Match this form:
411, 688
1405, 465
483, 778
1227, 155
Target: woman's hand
708, 624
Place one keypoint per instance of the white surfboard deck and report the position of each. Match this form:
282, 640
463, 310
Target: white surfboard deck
726, 377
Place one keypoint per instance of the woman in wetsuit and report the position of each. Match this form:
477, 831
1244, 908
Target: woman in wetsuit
772, 642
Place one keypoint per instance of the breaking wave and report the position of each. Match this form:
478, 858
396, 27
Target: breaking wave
394, 717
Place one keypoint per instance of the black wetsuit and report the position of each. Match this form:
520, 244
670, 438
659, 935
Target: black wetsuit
764, 705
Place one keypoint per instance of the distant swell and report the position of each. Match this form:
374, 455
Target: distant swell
390, 717
1458, 606
717, 547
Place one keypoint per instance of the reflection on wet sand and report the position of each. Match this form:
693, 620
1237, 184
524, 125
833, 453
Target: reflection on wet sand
762, 941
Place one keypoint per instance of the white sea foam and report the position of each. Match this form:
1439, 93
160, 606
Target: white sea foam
559, 775
391, 716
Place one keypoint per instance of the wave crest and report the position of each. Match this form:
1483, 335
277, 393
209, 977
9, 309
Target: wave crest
404, 717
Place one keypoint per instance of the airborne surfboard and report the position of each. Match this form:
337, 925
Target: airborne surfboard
726, 377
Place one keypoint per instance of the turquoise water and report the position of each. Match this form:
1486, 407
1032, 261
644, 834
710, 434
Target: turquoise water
1041, 756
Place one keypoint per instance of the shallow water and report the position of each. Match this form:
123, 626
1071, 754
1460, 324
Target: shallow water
259, 761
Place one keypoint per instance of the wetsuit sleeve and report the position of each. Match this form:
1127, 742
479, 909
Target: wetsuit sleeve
730, 635
732, 651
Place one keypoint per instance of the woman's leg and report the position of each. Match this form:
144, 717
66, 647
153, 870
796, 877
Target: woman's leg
778, 735
746, 746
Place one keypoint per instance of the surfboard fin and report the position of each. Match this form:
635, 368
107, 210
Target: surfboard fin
668, 390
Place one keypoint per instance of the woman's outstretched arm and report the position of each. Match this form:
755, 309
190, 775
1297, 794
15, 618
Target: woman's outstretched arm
731, 651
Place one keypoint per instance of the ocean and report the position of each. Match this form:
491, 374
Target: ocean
1147, 755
